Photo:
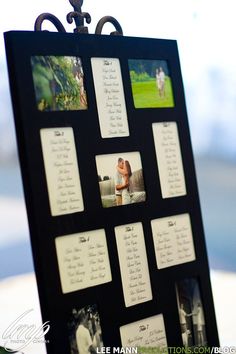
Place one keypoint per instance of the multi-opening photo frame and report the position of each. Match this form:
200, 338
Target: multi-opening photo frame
111, 191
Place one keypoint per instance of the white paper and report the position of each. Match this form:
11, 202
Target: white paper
146, 333
110, 97
62, 171
169, 159
83, 260
173, 240
133, 263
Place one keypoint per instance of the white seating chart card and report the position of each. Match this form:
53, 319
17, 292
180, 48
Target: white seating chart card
149, 332
133, 263
169, 159
173, 240
83, 260
62, 171
110, 97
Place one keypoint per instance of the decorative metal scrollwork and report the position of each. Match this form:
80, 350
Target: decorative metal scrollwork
79, 17
109, 19
53, 19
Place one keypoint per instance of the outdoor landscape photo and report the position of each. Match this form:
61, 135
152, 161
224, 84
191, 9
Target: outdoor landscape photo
151, 83
58, 83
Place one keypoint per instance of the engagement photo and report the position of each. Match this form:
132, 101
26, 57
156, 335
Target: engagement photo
85, 332
151, 83
120, 178
191, 314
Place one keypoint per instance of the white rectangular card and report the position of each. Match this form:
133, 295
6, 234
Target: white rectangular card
146, 333
62, 171
169, 159
133, 263
83, 260
110, 97
173, 240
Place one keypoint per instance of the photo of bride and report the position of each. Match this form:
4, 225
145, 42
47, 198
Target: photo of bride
120, 179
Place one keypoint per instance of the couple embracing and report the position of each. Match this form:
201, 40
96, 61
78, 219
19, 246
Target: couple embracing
122, 182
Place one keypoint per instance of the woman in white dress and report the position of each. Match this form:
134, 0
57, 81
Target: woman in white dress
162, 78
126, 174
158, 82
200, 323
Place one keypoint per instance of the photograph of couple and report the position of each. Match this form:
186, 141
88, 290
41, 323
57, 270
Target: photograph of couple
191, 315
151, 83
85, 331
120, 178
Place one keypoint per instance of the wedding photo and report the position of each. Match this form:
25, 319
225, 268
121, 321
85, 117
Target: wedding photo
120, 178
151, 83
58, 83
191, 313
85, 332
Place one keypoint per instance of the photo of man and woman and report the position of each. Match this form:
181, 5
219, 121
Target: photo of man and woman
191, 314
120, 178
58, 83
151, 83
85, 332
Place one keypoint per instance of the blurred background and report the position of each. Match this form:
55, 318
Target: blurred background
205, 32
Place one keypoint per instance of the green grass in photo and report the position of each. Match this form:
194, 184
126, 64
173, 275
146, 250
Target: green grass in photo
146, 95
58, 83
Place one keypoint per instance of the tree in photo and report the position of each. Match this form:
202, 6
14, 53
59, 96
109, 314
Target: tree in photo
59, 83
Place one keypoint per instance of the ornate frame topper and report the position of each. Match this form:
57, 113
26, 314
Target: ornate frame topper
79, 17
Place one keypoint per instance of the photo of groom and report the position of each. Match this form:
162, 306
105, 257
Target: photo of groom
120, 179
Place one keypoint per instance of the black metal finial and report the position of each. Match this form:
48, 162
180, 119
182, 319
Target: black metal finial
78, 16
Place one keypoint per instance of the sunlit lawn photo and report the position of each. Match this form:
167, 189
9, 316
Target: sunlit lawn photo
151, 84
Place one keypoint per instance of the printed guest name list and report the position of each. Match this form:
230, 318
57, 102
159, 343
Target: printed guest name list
147, 333
110, 97
62, 172
173, 240
133, 264
83, 260
169, 159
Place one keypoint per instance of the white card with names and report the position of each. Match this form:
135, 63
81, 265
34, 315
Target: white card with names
133, 264
62, 171
83, 260
146, 333
173, 240
110, 97
169, 159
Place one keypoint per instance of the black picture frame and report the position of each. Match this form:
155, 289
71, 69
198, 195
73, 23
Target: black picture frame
57, 307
